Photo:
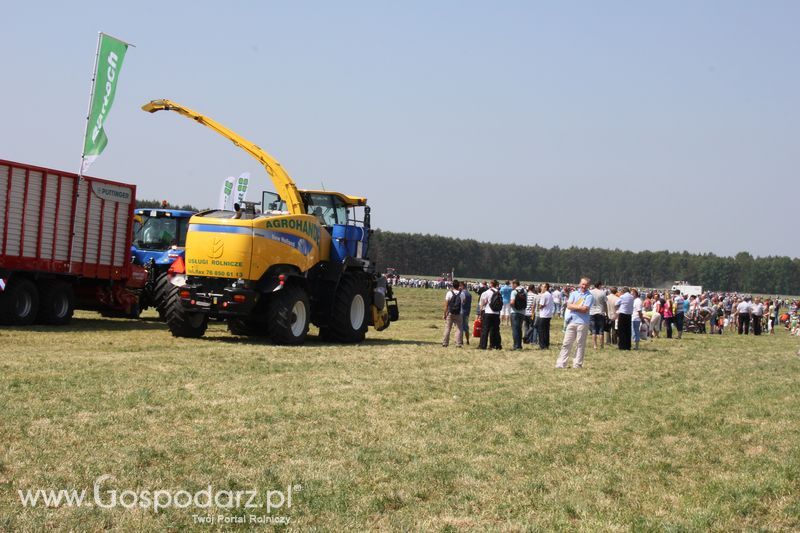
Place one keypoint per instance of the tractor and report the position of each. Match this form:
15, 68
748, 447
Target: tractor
298, 258
159, 239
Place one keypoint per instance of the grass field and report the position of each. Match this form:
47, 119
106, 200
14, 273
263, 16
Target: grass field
399, 433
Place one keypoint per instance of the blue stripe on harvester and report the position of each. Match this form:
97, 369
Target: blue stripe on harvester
220, 229
298, 243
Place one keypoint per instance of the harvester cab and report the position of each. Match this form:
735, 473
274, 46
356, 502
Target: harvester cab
303, 259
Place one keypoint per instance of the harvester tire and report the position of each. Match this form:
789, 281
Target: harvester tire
183, 323
288, 313
160, 293
56, 303
19, 303
351, 309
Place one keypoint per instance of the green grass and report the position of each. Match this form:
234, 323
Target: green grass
399, 433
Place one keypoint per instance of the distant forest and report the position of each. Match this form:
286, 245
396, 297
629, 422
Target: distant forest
432, 255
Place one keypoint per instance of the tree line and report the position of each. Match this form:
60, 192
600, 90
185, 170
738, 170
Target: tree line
159, 204
431, 255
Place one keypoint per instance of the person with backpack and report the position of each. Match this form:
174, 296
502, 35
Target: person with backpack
453, 303
518, 303
491, 303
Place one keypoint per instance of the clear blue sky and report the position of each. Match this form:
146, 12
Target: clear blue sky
637, 125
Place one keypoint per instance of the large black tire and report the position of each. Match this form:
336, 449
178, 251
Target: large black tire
183, 323
351, 306
56, 303
288, 313
19, 303
160, 294
246, 328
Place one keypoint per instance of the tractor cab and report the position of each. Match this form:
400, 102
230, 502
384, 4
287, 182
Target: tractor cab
157, 232
159, 239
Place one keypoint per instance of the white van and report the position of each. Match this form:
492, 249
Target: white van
689, 290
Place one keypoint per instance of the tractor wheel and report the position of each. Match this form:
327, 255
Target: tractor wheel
245, 328
288, 315
160, 293
56, 303
350, 311
19, 303
183, 323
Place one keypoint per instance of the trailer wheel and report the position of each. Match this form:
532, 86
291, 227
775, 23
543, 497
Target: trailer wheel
183, 323
350, 320
160, 294
56, 303
19, 303
288, 316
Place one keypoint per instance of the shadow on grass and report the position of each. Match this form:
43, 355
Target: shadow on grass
394, 342
96, 324
312, 340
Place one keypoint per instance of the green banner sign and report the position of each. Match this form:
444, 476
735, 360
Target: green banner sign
110, 53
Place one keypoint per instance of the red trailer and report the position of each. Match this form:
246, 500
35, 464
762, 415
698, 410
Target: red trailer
65, 243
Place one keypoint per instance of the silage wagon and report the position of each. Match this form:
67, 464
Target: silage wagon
65, 243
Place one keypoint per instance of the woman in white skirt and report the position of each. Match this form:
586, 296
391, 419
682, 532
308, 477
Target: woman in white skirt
655, 320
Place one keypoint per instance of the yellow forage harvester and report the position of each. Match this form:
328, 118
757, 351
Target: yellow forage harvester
298, 257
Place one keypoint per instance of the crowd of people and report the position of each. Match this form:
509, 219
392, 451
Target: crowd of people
620, 316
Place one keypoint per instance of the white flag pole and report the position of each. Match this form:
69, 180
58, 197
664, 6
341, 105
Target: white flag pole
83, 141
89, 107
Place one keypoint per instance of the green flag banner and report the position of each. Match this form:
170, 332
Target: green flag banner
110, 53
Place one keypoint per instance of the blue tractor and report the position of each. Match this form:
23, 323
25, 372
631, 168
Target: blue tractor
159, 239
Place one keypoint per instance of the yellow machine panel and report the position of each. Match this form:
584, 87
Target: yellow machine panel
247, 248
220, 249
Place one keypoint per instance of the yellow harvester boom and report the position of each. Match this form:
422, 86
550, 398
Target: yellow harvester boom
284, 185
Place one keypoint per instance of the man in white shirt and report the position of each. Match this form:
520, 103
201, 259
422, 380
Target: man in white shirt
611, 305
624, 312
743, 311
546, 309
636, 318
556, 302
756, 312
490, 318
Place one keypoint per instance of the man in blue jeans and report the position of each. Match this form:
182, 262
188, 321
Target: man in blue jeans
680, 310
518, 302
466, 309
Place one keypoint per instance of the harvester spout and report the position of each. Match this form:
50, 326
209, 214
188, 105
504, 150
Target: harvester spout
284, 185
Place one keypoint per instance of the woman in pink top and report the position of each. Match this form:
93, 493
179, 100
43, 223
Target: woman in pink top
669, 316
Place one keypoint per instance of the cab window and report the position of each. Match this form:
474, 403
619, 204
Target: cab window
327, 208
